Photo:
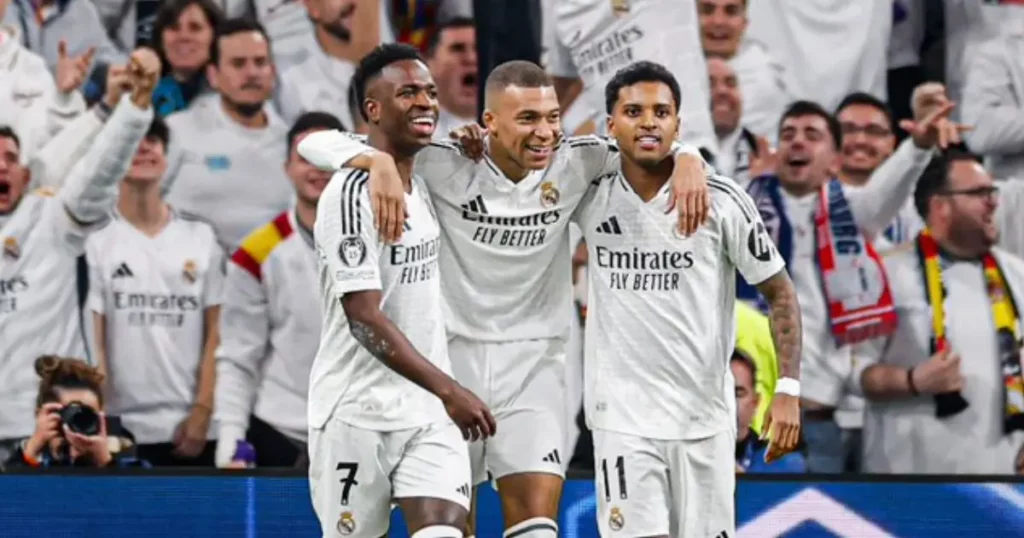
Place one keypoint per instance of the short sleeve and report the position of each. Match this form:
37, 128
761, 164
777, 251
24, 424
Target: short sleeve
97, 282
213, 287
558, 57
346, 237
746, 241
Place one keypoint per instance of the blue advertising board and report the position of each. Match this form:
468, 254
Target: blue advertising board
158, 506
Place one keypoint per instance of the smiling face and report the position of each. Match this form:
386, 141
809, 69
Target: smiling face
722, 24
186, 42
726, 103
644, 122
402, 103
149, 163
807, 153
524, 124
309, 180
13, 176
867, 139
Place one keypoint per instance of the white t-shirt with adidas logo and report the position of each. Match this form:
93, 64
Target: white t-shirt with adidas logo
154, 293
346, 377
660, 325
505, 265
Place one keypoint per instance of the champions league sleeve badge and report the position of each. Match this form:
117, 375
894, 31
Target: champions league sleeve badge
549, 195
11, 248
190, 271
352, 251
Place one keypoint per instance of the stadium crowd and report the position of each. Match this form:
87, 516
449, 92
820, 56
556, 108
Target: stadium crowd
158, 279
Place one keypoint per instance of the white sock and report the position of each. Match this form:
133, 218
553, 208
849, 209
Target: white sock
438, 531
535, 527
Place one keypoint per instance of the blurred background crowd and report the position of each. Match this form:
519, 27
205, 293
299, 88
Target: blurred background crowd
183, 317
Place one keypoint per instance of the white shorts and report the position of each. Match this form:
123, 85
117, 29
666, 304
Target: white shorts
354, 473
651, 487
523, 383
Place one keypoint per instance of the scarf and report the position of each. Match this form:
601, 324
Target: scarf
853, 279
1005, 316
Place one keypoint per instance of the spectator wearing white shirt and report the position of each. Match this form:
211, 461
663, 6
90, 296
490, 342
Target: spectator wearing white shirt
43, 232
868, 140
945, 390
763, 81
994, 102
840, 46
344, 32
155, 280
736, 144
451, 57
269, 334
227, 148
32, 102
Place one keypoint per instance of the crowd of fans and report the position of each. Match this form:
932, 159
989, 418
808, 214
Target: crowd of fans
853, 124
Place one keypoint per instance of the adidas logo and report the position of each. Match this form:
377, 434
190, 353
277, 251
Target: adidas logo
463, 490
553, 457
406, 227
610, 226
122, 271
476, 205
722, 534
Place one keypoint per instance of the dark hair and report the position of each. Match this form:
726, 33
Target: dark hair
636, 73
65, 373
158, 129
169, 13
355, 106
866, 99
371, 66
7, 132
448, 24
935, 177
231, 27
744, 359
517, 73
312, 120
798, 109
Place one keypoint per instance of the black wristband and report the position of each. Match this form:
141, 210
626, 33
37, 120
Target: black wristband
910, 382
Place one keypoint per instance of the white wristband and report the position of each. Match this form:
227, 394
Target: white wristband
789, 386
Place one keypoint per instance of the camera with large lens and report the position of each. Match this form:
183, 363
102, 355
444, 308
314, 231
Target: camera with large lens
80, 418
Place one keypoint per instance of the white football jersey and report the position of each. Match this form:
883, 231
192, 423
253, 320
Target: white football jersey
39, 311
153, 292
506, 262
346, 378
660, 325
592, 40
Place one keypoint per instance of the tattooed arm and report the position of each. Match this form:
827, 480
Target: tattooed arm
784, 316
385, 341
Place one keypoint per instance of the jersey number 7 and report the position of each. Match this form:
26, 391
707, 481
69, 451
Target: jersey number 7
620, 471
348, 479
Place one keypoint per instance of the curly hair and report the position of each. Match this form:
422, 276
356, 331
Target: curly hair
65, 373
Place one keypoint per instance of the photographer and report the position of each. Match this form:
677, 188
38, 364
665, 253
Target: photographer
71, 429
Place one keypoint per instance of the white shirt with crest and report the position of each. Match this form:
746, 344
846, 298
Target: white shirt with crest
154, 292
660, 323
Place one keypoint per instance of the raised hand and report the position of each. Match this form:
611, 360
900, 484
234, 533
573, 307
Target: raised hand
118, 82
72, 70
935, 129
765, 162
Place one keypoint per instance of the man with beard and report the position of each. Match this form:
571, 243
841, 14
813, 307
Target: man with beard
451, 57
505, 268
843, 292
227, 148
384, 412
268, 331
42, 234
945, 391
343, 34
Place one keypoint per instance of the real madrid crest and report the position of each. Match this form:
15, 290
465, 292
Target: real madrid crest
11, 248
616, 521
549, 195
190, 271
346, 523
352, 251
